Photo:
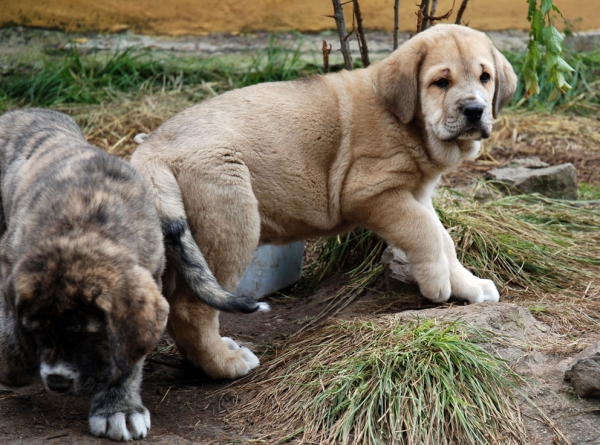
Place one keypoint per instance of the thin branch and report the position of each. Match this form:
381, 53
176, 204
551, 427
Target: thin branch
340, 23
439, 18
360, 31
461, 11
419, 21
425, 10
433, 8
326, 52
396, 22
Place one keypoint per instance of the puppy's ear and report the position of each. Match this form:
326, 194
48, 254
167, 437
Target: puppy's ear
397, 79
506, 82
135, 321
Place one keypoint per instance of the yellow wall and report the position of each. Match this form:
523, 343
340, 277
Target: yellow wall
178, 17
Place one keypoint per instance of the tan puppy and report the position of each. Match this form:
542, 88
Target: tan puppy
286, 161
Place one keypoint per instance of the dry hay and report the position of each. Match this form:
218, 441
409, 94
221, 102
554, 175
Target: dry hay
112, 125
555, 139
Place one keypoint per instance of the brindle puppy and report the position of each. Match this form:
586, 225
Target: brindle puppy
81, 262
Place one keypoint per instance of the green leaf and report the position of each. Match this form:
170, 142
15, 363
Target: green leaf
537, 25
546, 6
558, 11
552, 39
531, 9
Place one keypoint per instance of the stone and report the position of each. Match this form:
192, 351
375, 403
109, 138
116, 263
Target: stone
558, 182
532, 162
397, 273
584, 375
584, 372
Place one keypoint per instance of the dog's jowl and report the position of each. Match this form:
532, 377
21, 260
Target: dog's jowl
81, 259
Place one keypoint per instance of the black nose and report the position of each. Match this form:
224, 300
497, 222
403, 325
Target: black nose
473, 112
58, 383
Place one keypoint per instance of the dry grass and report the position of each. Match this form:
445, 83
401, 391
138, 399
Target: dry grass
555, 139
386, 381
113, 125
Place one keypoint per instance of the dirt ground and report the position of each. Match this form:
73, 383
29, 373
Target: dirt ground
187, 407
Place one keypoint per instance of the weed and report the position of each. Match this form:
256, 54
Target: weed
389, 381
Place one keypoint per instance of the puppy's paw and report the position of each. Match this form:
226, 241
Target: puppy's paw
245, 361
121, 426
490, 292
434, 281
466, 286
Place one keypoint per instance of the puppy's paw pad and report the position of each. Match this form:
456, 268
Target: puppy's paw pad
230, 343
121, 426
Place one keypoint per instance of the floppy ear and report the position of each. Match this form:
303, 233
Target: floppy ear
135, 321
506, 82
18, 358
397, 79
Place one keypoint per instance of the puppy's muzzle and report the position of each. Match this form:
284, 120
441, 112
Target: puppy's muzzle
59, 383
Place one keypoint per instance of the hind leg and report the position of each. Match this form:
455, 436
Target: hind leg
195, 329
225, 222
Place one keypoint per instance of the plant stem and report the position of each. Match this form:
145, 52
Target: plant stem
425, 9
461, 11
396, 22
362, 41
340, 23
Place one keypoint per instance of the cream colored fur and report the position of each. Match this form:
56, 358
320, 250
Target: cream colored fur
279, 162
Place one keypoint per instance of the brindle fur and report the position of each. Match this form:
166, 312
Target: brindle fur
81, 259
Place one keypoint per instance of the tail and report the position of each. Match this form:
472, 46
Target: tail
181, 249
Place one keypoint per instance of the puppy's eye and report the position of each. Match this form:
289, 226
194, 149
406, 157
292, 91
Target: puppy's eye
485, 77
441, 83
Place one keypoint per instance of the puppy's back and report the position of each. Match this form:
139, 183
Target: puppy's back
54, 182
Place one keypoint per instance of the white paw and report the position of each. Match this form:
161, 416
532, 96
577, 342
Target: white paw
232, 345
473, 289
490, 292
434, 281
247, 360
121, 426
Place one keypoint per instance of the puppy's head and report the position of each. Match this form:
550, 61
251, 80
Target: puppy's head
449, 76
92, 311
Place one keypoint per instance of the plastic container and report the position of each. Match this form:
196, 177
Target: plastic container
273, 267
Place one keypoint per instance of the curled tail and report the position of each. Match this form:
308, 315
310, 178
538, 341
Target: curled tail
181, 249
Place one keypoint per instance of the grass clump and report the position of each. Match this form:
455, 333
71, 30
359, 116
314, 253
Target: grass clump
390, 382
93, 79
526, 243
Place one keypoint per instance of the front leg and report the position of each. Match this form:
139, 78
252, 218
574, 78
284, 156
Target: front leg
403, 221
465, 285
117, 411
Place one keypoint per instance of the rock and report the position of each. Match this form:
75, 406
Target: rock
559, 182
397, 273
584, 373
533, 162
